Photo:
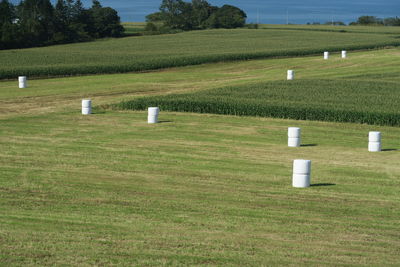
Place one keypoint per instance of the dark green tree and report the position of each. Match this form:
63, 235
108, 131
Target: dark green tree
369, 20
72, 22
392, 21
36, 18
228, 17
202, 10
7, 12
155, 17
198, 14
106, 22
172, 13
8, 25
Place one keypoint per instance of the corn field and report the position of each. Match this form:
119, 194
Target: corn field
135, 54
322, 100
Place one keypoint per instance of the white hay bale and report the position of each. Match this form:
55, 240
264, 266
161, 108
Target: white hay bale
301, 166
152, 116
153, 111
374, 147
344, 54
22, 80
301, 180
290, 75
294, 137
326, 55
294, 132
86, 106
374, 144
375, 137
301, 173
294, 142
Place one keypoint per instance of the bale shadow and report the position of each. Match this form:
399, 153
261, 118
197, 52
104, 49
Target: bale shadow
323, 184
308, 145
165, 121
98, 112
389, 149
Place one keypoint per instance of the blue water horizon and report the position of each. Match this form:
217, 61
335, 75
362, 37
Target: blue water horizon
271, 11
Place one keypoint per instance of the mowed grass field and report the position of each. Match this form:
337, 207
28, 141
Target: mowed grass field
189, 48
108, 189
196, 189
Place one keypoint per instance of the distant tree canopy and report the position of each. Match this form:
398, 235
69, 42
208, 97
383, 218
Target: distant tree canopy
197, 14
372, 20
36, 23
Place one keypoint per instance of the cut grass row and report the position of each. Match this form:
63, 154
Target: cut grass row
188, 48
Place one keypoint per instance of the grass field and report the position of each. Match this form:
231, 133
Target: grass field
162, 51
196, 189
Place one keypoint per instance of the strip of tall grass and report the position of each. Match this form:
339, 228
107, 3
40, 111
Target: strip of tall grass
134, 54
321, 100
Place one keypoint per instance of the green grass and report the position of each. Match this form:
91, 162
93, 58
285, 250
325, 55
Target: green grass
189, 48
109, 189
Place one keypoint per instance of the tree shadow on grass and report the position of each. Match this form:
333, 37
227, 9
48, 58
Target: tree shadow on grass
307, 145
323, 184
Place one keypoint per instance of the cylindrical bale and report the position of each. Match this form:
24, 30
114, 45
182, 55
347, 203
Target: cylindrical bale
301, 173
22, 82
86, 106
294, 132
152, 119
374, 137
302, 166
86, 111
290, 75
294, 137
301, 180
344, 54
326, 55
294, 142
86, 103
153, 113
374, 146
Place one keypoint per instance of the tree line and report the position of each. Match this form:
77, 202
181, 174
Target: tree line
372, 20
194, 15
38, 23
365, 21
